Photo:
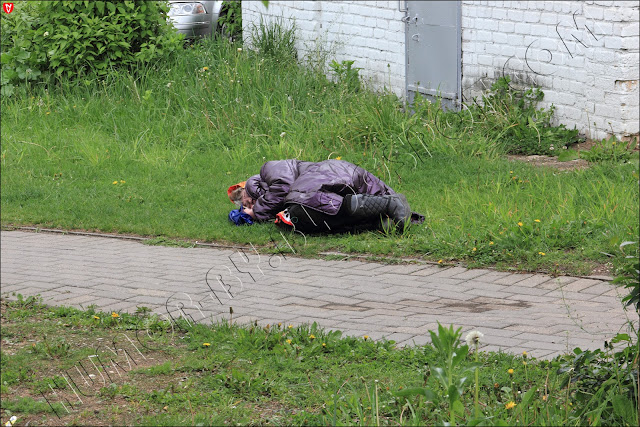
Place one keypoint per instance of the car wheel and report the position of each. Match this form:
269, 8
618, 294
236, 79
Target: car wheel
226, 29
223, 29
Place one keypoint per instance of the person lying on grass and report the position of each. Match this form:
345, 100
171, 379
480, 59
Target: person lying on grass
331, 196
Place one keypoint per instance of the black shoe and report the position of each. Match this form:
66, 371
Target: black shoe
368, 207
399, 210
365, 206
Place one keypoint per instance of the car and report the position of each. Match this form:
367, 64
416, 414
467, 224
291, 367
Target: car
195, 19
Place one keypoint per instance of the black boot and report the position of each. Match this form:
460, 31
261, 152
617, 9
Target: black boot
368, 207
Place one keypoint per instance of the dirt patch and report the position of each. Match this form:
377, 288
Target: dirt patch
552, 162
576, 164
93, 390
606, 271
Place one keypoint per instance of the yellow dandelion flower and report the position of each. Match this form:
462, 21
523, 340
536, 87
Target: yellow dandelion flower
510, 405
541, 253
366, 337
115, 182
122, 181
96, 317
205, 68
490, 243
440, 261
48, 112
510, 371
290, 326
510, 171
114, 315
279, 324
288, 341
520, 224
324, 345
206, 344
524, 354
524, 362
536, 220
544, 398
312, 337
339, 158
474, 249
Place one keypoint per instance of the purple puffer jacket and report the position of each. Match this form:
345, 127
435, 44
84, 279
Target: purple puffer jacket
320, 186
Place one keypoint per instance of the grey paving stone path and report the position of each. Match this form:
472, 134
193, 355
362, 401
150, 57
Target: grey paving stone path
543, 315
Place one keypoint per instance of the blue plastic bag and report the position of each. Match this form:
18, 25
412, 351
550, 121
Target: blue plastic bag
239, 217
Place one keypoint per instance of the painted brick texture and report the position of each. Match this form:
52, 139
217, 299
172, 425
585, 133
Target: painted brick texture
370, 33
583, 54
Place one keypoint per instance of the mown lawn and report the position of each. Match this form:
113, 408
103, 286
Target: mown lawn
153, 153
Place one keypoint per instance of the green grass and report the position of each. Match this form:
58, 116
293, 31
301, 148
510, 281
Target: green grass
276, 374
153, 153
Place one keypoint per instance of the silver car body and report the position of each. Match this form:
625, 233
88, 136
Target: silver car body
195, 18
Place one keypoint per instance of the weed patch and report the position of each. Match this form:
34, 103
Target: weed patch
304, 374
504, 121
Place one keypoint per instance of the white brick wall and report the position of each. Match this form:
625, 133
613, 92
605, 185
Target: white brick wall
588, 68
369, 33
592, 82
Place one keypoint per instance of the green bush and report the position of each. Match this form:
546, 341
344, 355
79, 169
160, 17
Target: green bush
230, 20
347, 75
628, 275
63, 38
20, 62
519, 125
603, 384
610, 150
508, 120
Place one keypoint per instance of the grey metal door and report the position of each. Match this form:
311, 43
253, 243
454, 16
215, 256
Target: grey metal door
433, 41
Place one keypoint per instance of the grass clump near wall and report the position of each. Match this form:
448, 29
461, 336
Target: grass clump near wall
151, 151
507, 120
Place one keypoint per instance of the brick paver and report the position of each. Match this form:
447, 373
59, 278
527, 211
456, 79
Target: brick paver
543, 315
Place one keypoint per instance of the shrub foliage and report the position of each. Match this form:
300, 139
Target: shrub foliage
71, 38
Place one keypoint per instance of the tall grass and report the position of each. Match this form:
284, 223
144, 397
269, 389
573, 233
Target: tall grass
153, 152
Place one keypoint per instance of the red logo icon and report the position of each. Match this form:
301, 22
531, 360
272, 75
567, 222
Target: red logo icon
8, 7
